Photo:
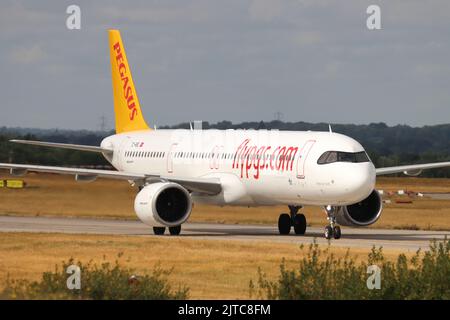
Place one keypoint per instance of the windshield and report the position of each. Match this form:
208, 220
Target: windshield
339, 156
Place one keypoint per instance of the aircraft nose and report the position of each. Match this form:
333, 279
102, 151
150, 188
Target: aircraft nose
361, 181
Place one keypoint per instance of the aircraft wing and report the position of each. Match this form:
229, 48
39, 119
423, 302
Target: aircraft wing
209, 186
413, 169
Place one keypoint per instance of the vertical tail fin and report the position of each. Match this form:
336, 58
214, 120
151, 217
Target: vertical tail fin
127, 109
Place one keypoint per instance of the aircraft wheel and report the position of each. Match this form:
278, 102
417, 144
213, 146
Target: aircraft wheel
328, 232
284, 224
337, 232
159, 230
174, 231
300, 223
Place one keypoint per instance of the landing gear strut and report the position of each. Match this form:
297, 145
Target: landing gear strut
294, 219
332, 230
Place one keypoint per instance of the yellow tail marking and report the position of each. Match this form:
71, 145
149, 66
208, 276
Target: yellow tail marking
127, 109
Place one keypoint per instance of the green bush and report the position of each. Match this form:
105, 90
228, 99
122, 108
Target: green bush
321, 275
107, 281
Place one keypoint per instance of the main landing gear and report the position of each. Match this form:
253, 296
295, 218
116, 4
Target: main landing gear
174, 231
332, 230
295, 219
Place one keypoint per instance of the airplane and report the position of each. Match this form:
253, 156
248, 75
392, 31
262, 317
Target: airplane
173, 169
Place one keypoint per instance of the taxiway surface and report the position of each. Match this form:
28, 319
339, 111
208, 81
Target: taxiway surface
404, 240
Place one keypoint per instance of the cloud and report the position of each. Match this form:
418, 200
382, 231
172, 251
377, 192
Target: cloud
265, 10
430, 69
307, 38
233, 59
27, 55
193, 11
22, 18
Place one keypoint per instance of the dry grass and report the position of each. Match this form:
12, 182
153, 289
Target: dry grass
413, 184
56, 195
212, 269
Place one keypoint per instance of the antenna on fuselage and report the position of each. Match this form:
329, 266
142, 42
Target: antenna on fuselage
329, 128
190, 125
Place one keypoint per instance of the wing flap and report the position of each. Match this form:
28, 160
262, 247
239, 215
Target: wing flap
23, 168
209, 186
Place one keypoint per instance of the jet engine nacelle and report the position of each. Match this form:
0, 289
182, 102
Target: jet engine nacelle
413, 173
163, 204
363, 213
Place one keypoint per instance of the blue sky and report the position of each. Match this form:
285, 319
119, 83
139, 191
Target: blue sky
238, 60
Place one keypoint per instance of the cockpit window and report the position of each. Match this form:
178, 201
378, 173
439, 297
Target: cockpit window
339, 156
361, 157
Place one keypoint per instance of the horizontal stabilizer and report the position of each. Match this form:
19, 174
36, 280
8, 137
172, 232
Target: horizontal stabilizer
64, 146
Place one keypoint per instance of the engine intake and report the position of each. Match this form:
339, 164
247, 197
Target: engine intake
363, 213
163, 204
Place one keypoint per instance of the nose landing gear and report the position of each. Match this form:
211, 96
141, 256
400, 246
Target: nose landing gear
295, 219
332, 230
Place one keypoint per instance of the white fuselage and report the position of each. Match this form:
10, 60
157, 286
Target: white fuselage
255, 167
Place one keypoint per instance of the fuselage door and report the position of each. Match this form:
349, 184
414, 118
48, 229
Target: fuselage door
170, 156
302, 158
121, 154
